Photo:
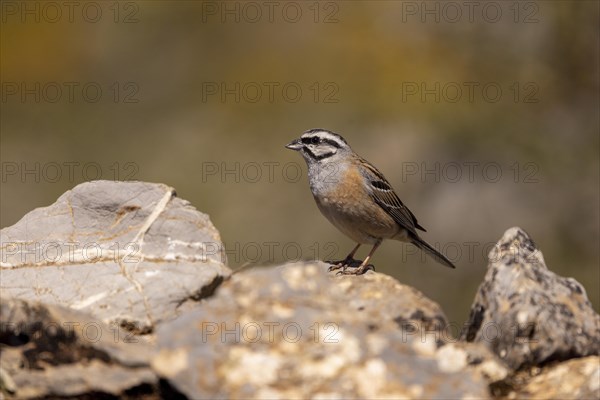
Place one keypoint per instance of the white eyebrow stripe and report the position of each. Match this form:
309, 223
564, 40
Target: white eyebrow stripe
327, 135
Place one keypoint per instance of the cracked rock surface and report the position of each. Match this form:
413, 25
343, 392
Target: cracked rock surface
528, 315
129, 253
51, 351
296, 331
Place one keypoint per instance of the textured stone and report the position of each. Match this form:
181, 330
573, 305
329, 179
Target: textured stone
296, 331
573, 379
455, 356
49, 350
528, 315
127, 252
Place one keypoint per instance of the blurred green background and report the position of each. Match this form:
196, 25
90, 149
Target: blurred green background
482, 118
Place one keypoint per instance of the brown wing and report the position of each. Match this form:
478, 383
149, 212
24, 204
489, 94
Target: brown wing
386, 198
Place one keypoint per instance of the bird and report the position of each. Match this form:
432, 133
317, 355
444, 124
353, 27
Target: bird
357, 199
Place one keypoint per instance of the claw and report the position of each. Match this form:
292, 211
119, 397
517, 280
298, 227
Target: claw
343, 271
334, 267
356, 271
343, 264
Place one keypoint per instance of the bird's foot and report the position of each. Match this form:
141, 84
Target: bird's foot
356, 271
342, 264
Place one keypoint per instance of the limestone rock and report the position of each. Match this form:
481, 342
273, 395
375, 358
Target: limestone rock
296, 331
127, 252
528, 315
51, 351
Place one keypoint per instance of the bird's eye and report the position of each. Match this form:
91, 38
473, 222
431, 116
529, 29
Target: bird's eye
314, 140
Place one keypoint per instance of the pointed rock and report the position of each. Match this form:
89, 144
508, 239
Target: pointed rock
528, 315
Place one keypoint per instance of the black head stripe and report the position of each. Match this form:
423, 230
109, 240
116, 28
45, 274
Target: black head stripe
316, 157
309, 152
331, 142
324, 156
319, 139
312, 131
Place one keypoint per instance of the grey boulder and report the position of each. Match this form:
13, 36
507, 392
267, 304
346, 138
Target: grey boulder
528, 315
129, 253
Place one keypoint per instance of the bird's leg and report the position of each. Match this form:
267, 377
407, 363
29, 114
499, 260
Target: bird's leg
365, 264
346, 262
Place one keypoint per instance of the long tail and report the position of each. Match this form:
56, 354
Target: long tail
427, 248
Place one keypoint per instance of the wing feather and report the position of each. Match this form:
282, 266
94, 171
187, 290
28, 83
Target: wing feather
383, 194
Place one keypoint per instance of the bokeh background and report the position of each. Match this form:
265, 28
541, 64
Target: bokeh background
203, 96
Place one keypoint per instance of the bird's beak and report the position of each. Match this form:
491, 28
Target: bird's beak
294, 145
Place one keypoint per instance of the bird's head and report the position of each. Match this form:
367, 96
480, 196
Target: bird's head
318, 145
